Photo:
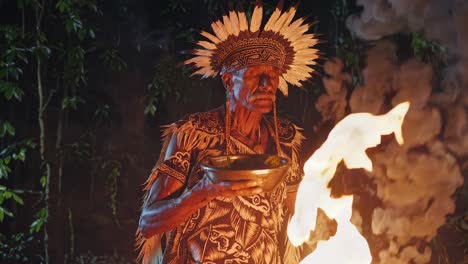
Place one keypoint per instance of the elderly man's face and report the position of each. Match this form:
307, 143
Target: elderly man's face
253, 88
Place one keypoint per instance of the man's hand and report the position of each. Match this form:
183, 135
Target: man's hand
226, 188
160, 216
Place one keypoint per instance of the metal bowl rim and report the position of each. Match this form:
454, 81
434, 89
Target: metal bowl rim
211, 168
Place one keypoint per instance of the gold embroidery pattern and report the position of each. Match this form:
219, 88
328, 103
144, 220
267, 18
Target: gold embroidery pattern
172, 172
180, 160
286, 130
208, 122
177, 166
237, 53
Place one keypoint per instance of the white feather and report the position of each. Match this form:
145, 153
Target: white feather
283, 86
205, 72
207, 45
290, 15
309, 53
243, 24
227, 25
202, 52
256, 20
234, 23
297, 33
304, 43
209, 36
306, 61
218, 29
299, 72
273, 18
291, 79
199, 61
279, 23
295, 24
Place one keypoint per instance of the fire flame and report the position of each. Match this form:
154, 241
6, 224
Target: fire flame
347, 141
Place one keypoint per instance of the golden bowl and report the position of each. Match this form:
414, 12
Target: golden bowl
267, 170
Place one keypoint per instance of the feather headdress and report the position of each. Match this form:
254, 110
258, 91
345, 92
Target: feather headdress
236, 44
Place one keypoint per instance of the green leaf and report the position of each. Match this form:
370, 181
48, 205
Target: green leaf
74, 101
18, 199
43, 181
29, 143
9, 91
41, 217
114, 60
73, 23
10, 214
41, 51
103, 112
62, 6
6, 128
20, 155
4, 170
42, 37
3, 212
9, 128
150, 109
36, 225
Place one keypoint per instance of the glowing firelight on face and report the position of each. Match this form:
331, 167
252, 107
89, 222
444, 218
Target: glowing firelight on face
347, 141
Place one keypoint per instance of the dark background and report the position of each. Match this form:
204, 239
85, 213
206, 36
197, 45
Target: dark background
134, 83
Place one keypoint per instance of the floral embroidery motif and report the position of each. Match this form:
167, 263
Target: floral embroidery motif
286, 130
177, 166
209, 122
180, 160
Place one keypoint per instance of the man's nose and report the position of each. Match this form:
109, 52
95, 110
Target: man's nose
265, 83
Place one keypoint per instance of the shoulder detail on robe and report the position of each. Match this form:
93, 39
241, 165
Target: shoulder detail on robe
288, 132
208, 122
201, 130
211, 122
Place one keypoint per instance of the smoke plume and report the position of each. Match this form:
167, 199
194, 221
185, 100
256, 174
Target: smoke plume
415, 182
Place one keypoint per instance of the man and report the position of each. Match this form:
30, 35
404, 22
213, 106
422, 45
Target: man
186, 218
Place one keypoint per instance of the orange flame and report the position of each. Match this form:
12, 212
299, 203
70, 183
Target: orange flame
347, 141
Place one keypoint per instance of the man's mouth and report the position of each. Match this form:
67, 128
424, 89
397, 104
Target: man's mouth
263, 97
